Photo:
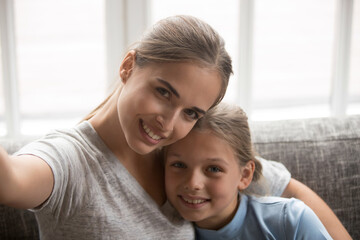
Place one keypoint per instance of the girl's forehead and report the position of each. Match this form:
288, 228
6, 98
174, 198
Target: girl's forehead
199, 142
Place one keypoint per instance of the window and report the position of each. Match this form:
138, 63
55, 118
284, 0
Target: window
292, 59
2, 102
60, 61
283, 53
293, 42
354, 78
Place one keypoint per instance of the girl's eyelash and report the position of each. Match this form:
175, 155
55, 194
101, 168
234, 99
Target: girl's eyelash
214, 169
178, 165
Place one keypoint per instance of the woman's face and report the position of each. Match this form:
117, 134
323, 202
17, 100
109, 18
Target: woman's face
160, 102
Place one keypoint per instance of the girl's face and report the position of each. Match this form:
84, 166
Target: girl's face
202, 179
160, 102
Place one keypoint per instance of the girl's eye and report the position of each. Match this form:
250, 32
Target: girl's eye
163, 92
178, 165
214, 169
192, 114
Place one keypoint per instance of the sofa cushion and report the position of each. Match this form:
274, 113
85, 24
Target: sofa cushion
17, 224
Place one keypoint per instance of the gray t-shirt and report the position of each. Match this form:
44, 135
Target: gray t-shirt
95, 197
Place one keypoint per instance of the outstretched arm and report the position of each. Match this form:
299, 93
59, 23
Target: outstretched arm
25, 181
332, 224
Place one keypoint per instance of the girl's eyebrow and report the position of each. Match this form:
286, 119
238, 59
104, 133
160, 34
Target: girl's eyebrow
215, 159
173, 90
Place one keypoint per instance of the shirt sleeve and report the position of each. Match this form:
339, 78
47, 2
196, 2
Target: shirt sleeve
58, 152
300, 222
275, 179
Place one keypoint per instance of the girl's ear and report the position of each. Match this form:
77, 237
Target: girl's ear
247, 173
127, 66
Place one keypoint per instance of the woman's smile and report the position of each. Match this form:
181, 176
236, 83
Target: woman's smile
149, 135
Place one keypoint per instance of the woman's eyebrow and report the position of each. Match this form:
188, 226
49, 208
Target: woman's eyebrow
173, 90
169, 86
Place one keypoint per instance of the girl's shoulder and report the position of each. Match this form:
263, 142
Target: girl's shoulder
292, 215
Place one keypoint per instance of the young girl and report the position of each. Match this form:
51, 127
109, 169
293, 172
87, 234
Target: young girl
205, 171
103, 178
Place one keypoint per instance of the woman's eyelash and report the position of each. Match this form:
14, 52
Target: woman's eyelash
193, 114
164, 92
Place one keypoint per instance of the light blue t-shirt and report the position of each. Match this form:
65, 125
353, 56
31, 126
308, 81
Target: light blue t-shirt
269, 218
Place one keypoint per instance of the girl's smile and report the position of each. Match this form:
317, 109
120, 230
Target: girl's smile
193, 202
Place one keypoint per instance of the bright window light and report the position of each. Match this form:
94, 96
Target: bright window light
293, 47
354, 77
61, 60
2, 102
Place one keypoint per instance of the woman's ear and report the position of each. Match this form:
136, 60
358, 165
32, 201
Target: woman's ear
127, 66
247, 173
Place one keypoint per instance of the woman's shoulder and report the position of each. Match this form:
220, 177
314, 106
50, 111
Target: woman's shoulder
64, 140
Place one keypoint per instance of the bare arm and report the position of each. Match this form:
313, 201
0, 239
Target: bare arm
332, 224
25, 181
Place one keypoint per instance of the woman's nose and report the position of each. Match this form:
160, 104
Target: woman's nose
168, 119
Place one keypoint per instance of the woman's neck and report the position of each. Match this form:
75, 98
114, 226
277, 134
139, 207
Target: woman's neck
146, 169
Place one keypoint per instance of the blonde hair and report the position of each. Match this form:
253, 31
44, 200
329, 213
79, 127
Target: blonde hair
182, 38
230, 123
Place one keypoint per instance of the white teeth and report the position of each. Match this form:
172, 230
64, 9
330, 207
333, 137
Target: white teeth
150, 133
194, 201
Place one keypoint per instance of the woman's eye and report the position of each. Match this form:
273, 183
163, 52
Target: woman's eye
178, 165
214, 169
192, 114
163, 92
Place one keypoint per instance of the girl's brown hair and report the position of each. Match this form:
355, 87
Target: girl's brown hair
229, 122
183, 39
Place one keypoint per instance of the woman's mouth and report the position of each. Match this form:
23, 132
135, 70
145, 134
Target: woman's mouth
154, 138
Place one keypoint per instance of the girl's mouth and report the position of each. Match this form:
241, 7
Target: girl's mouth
194, 202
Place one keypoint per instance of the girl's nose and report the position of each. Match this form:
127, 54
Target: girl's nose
194, 182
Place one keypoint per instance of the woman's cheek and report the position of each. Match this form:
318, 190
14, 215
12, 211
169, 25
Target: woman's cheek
181, 131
